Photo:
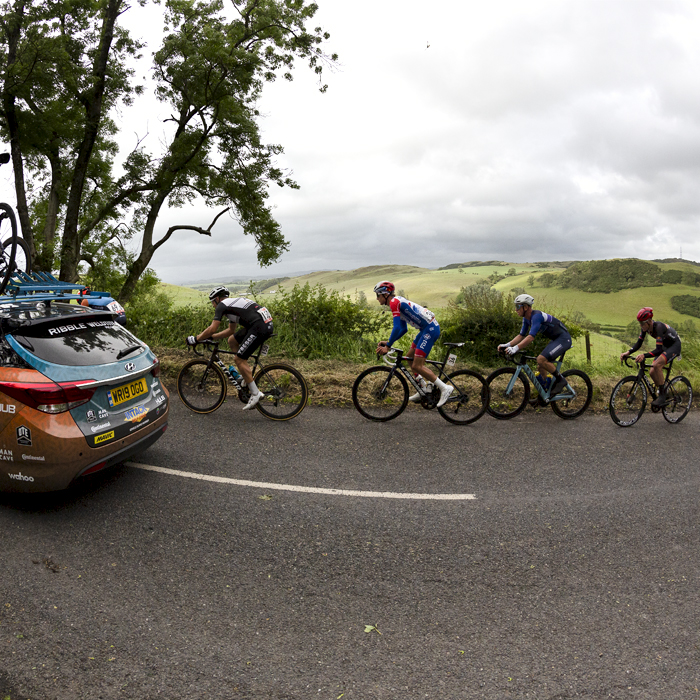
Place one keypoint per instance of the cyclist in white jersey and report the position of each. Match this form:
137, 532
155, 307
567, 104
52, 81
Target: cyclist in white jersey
256, 328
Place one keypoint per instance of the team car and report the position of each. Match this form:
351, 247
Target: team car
78, 391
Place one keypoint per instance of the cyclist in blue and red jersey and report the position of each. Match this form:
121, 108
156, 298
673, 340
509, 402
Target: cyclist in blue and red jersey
535, 322
668, 346
407, 313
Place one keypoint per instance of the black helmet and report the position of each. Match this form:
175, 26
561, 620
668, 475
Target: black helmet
220, 291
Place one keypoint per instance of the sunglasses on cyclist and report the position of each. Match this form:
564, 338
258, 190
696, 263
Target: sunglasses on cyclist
519, 306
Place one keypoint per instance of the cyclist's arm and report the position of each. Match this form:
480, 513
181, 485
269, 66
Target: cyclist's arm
208, 332
399, 329
226, 332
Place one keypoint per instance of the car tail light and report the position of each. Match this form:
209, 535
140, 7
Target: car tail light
155, 370
49, 397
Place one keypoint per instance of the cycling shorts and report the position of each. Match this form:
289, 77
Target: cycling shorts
425, 340
672, 351
250, 339
557, 347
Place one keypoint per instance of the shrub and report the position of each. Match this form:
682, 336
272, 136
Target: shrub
610, 275
687, 304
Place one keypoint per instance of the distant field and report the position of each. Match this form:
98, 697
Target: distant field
431, 288
181, 296
436, 288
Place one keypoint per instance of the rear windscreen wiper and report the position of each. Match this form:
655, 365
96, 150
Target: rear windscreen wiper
128, 351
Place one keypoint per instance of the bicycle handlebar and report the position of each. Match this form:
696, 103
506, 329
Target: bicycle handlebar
208, 341
523, 357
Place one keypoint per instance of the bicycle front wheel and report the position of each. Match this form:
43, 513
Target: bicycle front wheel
573, 407
680, 396
380, 395
468, 400
8, 234
628, 401
285, 392
202, 388
507, 397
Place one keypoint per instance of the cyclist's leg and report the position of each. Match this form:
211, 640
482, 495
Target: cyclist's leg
249, 342
420, 349
424, 343
545, 360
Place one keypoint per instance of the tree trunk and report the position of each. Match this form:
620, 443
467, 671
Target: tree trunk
70, 249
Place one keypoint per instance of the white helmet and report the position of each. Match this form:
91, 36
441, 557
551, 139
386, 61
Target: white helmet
219, 291
524, 299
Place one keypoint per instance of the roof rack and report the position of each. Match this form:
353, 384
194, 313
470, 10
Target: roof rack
42, 286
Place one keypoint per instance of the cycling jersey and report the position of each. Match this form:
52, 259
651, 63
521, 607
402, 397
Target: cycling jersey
540, 322
667, 341
243, 311
407, 313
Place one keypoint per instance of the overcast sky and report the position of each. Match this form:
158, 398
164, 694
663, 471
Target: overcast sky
460, 130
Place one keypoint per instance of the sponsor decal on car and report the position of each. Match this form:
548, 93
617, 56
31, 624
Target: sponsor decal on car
91, 417
69, 328
24, 436
7, 408
6, 455
102, 414
34, 458
104, 437
20, 477
101, 426
159, 400
135, 414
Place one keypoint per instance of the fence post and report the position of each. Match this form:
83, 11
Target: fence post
588, 347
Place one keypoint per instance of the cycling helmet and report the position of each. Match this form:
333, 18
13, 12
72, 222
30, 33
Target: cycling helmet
220, 291
384, 287
524, 299
645, 314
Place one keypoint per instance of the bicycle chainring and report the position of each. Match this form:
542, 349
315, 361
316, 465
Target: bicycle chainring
431, 400
244, 394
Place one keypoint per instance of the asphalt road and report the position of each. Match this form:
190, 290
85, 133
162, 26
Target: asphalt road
572, 573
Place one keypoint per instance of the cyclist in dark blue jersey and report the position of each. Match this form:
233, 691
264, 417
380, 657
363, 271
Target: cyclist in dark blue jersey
535, 322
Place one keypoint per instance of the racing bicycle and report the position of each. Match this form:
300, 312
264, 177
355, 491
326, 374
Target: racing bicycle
202, 384
509, 390
14, 251
629, 397
381, 393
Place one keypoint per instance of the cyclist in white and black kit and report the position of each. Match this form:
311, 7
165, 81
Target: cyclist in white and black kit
256, 328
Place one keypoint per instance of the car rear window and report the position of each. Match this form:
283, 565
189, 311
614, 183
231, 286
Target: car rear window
95, 340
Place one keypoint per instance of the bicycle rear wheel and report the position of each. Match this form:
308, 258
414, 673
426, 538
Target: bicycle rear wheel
201, 388
504, 402
8, 249
468, 401
380, 395
575, 406
680, 396
285, 392
628, 401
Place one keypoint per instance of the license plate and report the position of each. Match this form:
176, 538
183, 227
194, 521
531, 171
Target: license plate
126, 392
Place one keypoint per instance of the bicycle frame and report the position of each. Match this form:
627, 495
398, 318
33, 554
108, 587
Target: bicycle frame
449, 361
643, 375
522, 366
216, 351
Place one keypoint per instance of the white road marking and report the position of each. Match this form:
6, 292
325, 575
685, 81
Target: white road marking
307, 489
